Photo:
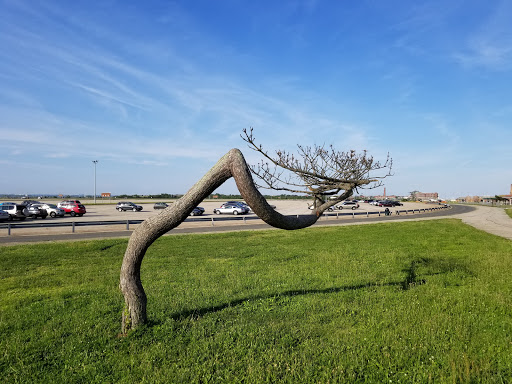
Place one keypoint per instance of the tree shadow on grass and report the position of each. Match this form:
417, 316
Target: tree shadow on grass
410, 281
200, 312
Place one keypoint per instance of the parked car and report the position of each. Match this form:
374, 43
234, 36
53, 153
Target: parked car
245, 205
128, 206
312, 206
51, 209
234, 209
34, 211
68, 202
348, 204
15, 211
385, 203
237, 203
197, 211
4, 215
74, 209
396, 203
160, 205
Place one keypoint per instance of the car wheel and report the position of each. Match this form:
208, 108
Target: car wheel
217, 212
354, 207
72, 213
235, 212
53, 214
119, 209
134, 209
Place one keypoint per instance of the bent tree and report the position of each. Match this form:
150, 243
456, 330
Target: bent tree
328, 176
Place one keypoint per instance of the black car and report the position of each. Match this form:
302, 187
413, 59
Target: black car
128, 206
197, 211
26, 203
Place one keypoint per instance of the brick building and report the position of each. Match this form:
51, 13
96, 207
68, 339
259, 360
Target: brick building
423, 196
494, 200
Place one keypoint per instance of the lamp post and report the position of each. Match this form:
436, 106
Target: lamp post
95, 162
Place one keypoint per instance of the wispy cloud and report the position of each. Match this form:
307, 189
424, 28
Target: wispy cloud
491, 45
485, 53
163, 85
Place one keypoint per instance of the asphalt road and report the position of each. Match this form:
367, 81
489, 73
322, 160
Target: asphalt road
228, 225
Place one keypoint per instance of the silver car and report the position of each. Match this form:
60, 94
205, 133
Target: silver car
348, 204
34, 211
52, 209
233, 209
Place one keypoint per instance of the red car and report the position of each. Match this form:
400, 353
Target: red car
74, 209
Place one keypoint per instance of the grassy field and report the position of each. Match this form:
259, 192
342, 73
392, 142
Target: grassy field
508, 211
416, 302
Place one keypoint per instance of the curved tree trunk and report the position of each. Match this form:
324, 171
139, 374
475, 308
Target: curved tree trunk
230, 165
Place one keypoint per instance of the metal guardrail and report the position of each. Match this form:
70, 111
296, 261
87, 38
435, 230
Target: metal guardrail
20, 225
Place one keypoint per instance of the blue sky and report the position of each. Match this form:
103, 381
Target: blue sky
158, 91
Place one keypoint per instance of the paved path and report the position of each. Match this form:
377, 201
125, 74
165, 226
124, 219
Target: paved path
489, 219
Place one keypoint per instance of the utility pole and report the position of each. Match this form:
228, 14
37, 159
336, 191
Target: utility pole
95, 162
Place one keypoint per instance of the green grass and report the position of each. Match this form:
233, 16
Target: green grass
508, 211
417, 302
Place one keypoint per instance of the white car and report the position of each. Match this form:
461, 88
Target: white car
312, 207
51, 209
15, 211
66, 202
233, 209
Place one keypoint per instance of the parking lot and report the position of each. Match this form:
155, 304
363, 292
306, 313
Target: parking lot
103, 211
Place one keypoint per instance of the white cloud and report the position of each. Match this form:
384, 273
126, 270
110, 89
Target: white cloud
491, 45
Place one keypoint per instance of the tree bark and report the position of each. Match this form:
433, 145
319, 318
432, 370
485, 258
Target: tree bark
230, 165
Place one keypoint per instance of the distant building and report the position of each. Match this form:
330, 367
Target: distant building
469, 199
387, 197
493, 200
423, 196
507, 199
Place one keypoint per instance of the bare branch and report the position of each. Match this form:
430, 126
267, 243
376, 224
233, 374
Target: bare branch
318, 171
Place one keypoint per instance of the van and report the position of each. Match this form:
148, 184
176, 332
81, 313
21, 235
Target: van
15, 211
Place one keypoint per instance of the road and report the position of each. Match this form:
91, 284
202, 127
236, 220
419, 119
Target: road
238, 224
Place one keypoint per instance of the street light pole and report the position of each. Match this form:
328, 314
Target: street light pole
95, 162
